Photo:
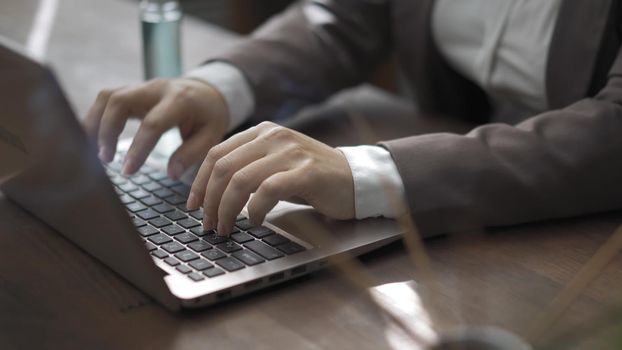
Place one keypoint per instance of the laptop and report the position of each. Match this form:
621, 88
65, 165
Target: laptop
139, 226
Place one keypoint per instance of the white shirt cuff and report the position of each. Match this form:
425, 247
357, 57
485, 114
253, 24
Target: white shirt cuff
378, 187
232, 85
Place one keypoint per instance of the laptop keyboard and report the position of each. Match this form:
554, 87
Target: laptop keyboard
174, 234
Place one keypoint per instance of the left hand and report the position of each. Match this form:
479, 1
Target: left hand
276, 163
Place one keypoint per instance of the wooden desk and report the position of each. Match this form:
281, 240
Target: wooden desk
54, 296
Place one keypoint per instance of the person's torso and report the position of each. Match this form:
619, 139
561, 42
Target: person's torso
502, 46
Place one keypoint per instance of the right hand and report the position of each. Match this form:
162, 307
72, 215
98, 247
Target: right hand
197, 108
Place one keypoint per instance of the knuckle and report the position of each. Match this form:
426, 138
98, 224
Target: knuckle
117, 99
296, 151
222, 167
278, 133
213, 154
266, 125
184, 94
152, 125
240, 180
269, 188
104, 94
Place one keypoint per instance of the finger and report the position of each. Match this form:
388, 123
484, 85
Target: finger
191, 151
121, 105
223, 170
161, 118
199, 185
243, 183
94, 115
280, 186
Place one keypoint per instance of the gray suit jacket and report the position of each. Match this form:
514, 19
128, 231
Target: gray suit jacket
565, 162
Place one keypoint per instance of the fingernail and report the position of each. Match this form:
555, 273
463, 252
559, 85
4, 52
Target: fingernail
192, 202
175, 170
128, 165
222, 231
207, 224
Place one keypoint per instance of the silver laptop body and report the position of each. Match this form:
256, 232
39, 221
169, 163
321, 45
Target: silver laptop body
51, 169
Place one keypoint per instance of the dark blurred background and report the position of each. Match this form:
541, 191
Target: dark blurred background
241, 16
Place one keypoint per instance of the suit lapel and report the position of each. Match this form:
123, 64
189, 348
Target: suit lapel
574, 49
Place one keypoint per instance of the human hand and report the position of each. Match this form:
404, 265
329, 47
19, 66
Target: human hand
195, 107
277, 164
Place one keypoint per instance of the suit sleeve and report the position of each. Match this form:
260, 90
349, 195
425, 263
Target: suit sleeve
310, 51
561, 163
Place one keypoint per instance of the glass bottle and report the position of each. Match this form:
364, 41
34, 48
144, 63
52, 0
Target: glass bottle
160, 21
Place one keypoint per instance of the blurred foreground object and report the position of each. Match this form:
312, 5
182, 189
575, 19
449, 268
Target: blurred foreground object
402, 301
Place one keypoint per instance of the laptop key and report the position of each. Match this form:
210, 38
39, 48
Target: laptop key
186, 256
138, 222
264, 250
213, 272
197, 214
186, 237
275, 240
214, 238
158, 175
148, 214
163, 193
139, 194
199, 231
200, 264
175, 199
199, 246
228, 247
244, 224
150, 246
196, 277
159, 254
175, 215
128, 187
181, 189
214, 254
118, 180
172, 247
135, 207
152, 186
183, 269
126, 199
115, 166
183, 207
188, 223
248, 257
173, 230
260, 232
163, 208
169, 182
147, 231
160, 222
146, 169
290, 248
159, 239
140, 179
241, 237
151, 200
230, 264
171, 261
